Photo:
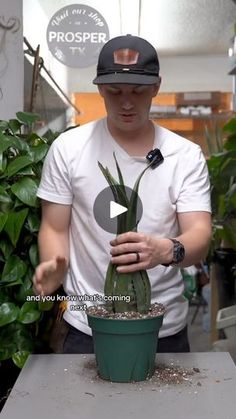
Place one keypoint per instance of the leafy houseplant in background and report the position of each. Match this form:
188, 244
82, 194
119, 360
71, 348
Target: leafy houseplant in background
125, 331
222, 171
21, 157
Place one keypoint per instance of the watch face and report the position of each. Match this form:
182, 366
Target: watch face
179, 252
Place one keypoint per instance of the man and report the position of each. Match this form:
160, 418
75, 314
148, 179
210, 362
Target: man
175, 228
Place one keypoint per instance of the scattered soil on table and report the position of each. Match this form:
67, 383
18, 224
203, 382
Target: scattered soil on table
170, 374
156, 309
164, 375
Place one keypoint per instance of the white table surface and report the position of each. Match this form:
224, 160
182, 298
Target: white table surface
66, 386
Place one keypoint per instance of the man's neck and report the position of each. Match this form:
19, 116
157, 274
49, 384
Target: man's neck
135, 143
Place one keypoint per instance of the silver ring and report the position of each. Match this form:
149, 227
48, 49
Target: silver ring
137, 257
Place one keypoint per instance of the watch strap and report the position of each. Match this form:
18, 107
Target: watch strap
178, 253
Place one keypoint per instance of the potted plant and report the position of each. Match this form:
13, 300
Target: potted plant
21, 157
125, 331
222, 171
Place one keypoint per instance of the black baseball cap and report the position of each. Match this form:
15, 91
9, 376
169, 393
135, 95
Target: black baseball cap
127, 59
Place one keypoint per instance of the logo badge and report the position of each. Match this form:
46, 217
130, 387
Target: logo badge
125, 56
76, 34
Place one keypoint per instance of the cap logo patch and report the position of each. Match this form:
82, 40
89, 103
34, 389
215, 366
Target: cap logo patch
125, 56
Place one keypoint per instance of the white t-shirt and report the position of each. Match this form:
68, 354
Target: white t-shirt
71, 176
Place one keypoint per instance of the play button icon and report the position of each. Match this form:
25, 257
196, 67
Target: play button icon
107, 211
116, 209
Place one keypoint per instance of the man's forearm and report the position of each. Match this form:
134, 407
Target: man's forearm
52, 244
54, 257
196, 243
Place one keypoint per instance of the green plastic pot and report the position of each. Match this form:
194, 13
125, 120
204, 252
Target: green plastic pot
125, 350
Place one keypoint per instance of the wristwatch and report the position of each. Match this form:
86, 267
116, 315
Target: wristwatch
178, 253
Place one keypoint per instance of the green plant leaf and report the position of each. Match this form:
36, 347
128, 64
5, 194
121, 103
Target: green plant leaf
33, 223
14, 125
27, 118
3, 165
109, 284
14, 224
4, 196
29, 313
20, 357
7, 349
3, 125
34, 255
147, 289
121, 285
230, 126
132, 212
6, 248
14, 269
230, 143
25, 289
8, 313
229, 167
17, 164
22, 336
121, 180
27, 171
15, 337
7, 141
3, 219
25, 189
38, 153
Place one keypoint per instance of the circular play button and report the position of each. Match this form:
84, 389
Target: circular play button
111, 216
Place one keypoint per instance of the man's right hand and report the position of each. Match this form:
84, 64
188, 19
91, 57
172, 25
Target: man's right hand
49, 276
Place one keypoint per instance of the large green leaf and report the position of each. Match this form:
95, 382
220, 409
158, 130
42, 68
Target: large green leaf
34, 255
17, 164
27, 118
7, 141
25, 290
15, 337
14, 269
38, 152
29, 313
8, 313
14, 125
230, 144
6, 248
22, 336
7, 349
33, 223
3, 165
25, 189
132, 213
20, 357
230, 197
14, 224
27, 171
3, 219
109, 284
4, 196
3, 125
230, 126
229, 167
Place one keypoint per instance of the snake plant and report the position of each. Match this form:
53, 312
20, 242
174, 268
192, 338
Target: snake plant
135, 285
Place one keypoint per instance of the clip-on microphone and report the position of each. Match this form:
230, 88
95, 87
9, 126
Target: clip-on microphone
155, 158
